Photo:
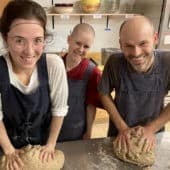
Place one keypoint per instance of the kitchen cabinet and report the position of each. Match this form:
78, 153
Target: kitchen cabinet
2, 5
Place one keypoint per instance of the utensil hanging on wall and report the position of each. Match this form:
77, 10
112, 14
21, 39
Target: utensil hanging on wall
107, 24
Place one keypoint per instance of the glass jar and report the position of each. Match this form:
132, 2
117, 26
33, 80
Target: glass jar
111, 6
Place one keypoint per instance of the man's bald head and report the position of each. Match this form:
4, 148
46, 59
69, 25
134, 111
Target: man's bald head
137, 41
83, 27
135, 24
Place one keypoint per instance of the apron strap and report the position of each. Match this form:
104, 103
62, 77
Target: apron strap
89, 70
4, 76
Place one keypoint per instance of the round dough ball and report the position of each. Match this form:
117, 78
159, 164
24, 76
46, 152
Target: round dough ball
31, 160
135, 153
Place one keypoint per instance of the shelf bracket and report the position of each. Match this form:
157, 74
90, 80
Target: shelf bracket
52, 3
81, 19
53, 22
107, 24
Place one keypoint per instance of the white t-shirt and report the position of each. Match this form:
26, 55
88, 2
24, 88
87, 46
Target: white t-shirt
57, 84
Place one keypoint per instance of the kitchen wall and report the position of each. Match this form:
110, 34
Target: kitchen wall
63, 26
104, 38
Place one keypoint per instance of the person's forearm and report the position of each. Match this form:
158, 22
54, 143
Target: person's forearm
5, 143
91, 113
158, 123
109, 105
55, 127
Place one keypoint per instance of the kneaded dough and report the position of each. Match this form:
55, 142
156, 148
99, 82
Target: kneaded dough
31, 160
135, 154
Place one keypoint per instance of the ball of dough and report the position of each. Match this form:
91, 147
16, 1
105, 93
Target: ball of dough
135, 153
30, 158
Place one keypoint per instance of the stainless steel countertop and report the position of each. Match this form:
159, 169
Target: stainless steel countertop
97, 154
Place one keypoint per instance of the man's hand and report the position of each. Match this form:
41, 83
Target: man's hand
148, 137
122, 140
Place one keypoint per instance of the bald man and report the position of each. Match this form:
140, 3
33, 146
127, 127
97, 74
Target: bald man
83, 77
140, 77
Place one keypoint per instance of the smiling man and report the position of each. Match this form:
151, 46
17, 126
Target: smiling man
140, 77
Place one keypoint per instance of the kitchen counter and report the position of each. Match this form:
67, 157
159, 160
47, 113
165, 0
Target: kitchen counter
97, 154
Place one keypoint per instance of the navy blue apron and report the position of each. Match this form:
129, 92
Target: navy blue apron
27, 117
74, 125
139, 98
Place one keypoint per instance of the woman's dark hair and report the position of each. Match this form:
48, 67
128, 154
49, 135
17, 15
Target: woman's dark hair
21, 9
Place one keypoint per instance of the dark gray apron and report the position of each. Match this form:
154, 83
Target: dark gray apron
74, 125
139, 99
27, 117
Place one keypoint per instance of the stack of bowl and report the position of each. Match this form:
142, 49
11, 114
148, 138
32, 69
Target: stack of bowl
63, 8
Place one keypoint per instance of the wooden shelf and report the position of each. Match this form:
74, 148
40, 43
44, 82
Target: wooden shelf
93, 14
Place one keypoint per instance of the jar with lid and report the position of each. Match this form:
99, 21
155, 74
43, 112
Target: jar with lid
111, 6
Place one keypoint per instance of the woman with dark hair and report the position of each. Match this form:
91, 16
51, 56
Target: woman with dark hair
33, 85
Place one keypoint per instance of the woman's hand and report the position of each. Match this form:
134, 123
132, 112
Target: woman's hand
13, 161
47, 153
86, 135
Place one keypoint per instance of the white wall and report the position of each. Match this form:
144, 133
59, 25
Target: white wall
103, 38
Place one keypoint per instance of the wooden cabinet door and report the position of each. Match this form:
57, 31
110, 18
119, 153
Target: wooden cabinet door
2, 5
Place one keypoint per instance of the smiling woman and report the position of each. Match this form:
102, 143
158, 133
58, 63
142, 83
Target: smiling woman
30, 113
25, 38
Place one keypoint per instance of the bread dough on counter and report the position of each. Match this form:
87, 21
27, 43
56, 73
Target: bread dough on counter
31, 160
135, 154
